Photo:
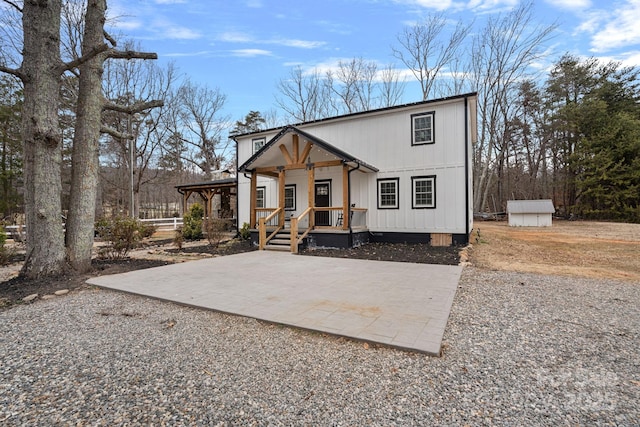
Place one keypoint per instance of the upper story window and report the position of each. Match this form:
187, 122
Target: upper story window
422, 129
388, 193
258, 143
424, 192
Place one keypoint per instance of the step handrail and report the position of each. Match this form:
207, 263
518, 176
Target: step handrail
295, 240
262, 228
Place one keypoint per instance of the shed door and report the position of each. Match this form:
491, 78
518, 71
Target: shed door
323, 200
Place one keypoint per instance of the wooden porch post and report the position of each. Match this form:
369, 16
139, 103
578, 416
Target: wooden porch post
185, 198
312, 200
252, 203
345, 197
281, 182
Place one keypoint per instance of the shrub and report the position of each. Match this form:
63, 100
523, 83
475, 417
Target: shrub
147, 230
245, 231
122, 234
178, 239
4, 253
216, 229
192, 223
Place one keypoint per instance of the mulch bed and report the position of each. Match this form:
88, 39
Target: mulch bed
399, 252
14, 290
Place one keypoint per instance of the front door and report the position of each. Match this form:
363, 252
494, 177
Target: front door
323, 200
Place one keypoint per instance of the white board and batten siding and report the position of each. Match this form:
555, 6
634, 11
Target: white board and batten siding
383, 139
530, 213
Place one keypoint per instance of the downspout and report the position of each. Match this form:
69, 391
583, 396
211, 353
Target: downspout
237, 190
349, 197
466, 165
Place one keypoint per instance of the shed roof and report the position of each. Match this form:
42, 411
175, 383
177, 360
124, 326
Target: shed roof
530, 206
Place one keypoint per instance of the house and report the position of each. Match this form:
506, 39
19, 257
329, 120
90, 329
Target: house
530, 213
397, 174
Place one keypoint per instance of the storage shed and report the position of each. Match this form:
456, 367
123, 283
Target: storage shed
530, 213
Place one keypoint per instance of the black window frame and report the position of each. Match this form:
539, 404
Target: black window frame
432, 115
288, 187
414, 179
396, 181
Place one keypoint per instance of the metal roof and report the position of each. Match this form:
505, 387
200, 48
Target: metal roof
530, 206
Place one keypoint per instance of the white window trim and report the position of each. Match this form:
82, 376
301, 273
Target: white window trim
396, 182
430, 114
255, 142
262, 190
414, 180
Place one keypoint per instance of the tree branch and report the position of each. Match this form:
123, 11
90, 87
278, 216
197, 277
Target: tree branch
114, 133
13, 71
135, 108
15, 5
84, 58
109, 38
131, 54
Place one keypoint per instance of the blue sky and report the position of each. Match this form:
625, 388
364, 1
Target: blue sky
244, 47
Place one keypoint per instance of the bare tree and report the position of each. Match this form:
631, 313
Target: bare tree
199, 120
40, 73
353, 83
301, 95
426, 50
391, 87
91, 103
501, 58
136, 137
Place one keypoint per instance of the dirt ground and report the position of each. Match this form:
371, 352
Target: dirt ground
570, 248
586, 249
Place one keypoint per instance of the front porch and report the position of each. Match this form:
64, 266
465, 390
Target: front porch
296, 231
288, 169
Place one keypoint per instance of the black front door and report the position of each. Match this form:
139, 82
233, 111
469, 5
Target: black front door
323, 200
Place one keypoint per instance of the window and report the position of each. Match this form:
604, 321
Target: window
388, 193
260, 201
290, 198
258, 143
422, 128
424, 192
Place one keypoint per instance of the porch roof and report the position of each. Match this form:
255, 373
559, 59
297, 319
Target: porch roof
208, 185
269, 155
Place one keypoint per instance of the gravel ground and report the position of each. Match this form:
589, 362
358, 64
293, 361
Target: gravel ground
519, 349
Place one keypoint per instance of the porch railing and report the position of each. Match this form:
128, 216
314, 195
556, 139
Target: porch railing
324, 218
267, 212
262, 227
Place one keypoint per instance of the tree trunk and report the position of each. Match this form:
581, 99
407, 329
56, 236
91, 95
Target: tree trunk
85, 163
41, 138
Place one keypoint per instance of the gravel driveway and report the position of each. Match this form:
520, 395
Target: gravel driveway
520, 349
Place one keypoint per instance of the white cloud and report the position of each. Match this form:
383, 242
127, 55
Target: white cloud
570, 4
254, 4
249, 53
303, 44
188, 54
235, 37
180, 33
170, 1
621, 28
239, 37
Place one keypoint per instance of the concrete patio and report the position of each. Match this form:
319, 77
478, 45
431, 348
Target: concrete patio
397, 304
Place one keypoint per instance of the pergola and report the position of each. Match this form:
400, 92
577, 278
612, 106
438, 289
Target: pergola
207, 190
